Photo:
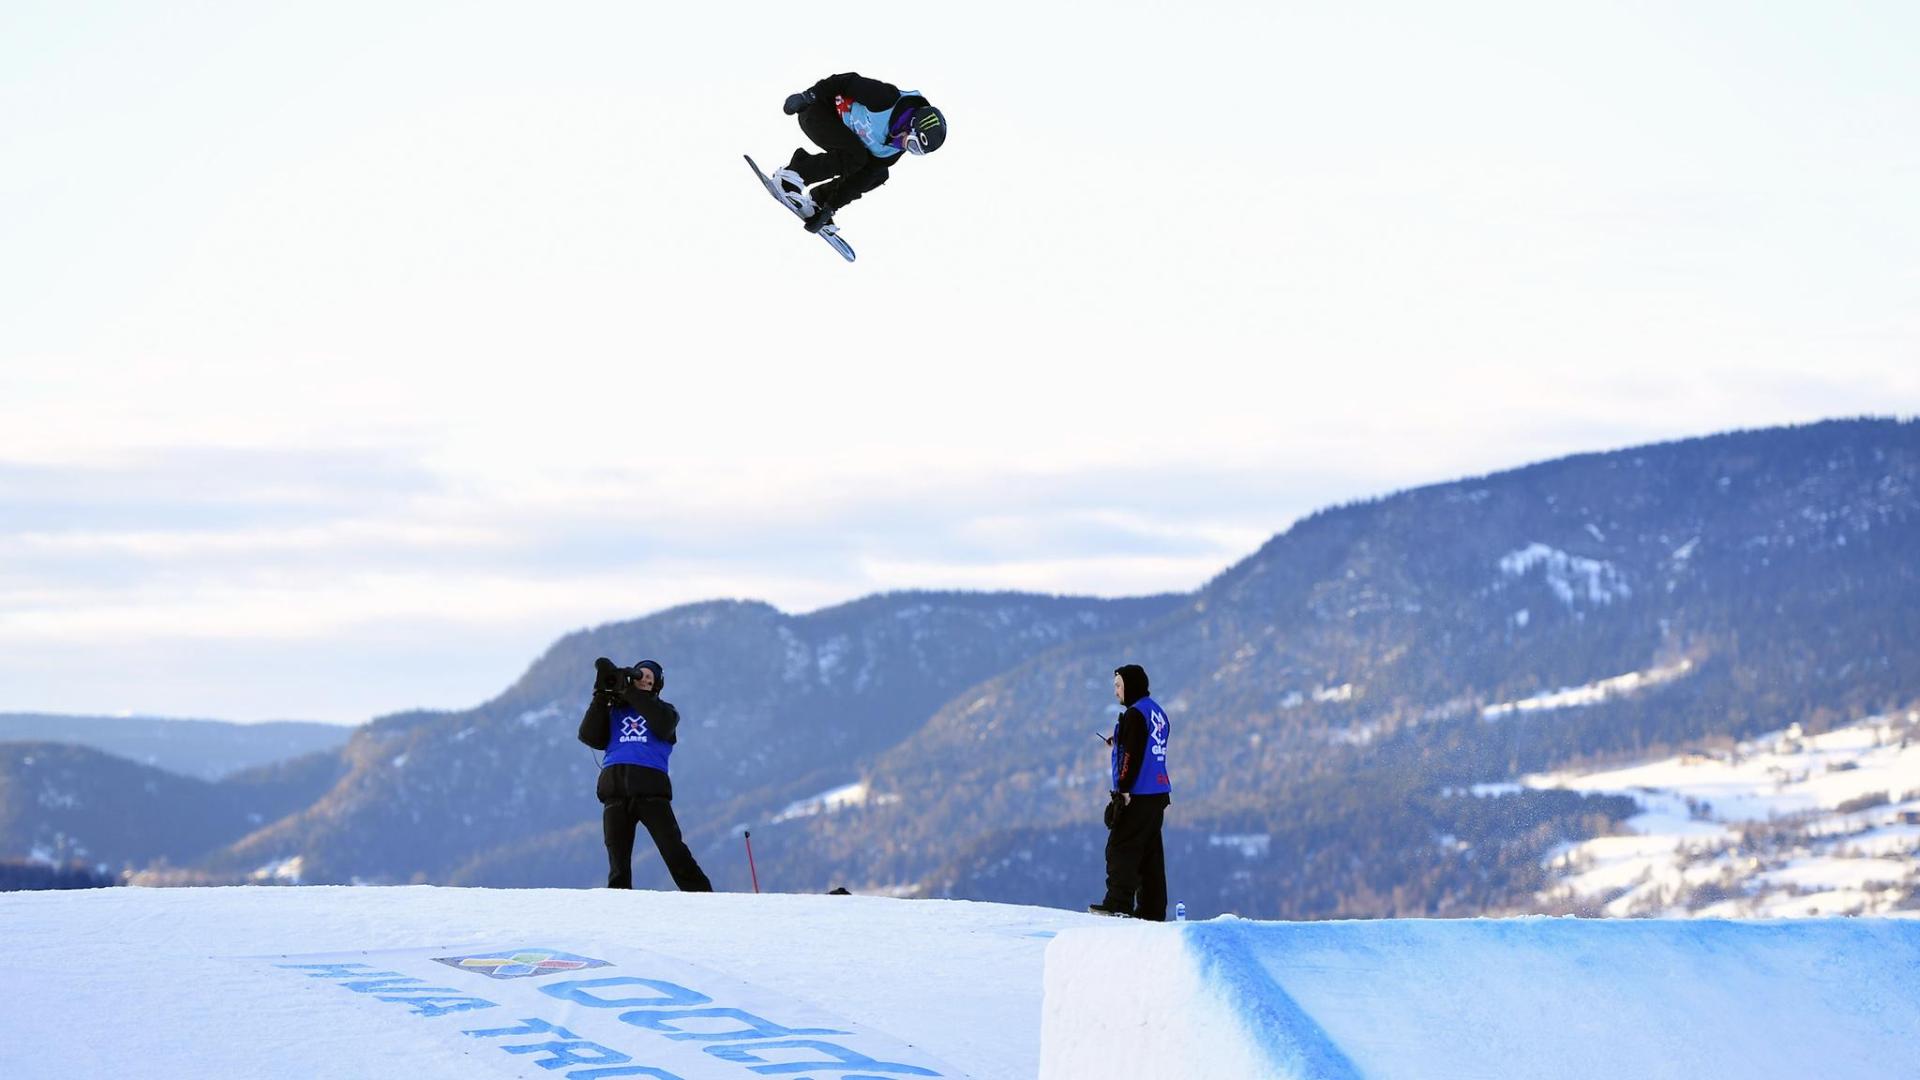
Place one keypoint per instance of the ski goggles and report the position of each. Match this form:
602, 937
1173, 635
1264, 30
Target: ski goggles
910, 132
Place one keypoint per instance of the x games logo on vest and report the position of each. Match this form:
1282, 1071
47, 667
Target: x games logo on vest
633, 743
521, 963
1153, 771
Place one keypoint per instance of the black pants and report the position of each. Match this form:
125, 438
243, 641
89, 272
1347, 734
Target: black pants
1136, 861
618, 819
842, 155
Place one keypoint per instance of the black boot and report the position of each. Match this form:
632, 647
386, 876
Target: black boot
822, 217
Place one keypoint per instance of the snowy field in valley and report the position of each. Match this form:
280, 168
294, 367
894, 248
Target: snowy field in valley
1785, 825
430, 983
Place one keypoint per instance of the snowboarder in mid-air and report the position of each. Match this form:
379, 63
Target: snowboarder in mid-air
862, 126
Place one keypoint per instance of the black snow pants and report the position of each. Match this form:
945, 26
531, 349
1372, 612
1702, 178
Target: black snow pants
618, 819
842, 155
1136, 861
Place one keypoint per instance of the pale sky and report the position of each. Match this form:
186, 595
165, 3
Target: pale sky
350, 353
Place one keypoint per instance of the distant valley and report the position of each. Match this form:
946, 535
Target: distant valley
207, 749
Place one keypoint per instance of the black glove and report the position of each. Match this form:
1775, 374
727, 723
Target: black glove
798, 103
1114, 807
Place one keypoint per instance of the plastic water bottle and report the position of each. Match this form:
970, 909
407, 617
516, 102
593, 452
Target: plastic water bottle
1180, 911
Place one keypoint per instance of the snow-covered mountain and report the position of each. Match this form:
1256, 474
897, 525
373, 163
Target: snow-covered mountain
62, 804
1331, 695
775, 708
1327, 691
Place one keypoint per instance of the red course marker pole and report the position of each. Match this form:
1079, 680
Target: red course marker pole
750, 867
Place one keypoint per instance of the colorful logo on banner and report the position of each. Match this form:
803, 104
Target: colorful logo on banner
521, 963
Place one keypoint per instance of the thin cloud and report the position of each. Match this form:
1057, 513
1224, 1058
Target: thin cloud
340, 538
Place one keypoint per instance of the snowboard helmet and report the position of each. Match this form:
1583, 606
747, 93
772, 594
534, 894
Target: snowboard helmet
926, 130
659, 675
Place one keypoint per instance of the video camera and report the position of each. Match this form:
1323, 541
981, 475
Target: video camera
609, 676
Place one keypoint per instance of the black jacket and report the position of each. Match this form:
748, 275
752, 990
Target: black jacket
872, 93
822, 123
618, 782
1132, 740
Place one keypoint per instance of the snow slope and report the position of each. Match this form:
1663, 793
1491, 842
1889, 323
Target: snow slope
167, 984
1566, 998
437, 983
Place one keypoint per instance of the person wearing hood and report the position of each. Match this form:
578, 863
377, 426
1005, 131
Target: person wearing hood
1137, 803
864, 127
638, 730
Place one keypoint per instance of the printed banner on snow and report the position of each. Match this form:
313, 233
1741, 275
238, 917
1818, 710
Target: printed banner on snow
552, 1012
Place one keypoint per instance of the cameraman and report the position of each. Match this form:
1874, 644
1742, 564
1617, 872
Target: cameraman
629, 721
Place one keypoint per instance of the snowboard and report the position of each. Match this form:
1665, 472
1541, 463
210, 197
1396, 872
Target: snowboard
831, 234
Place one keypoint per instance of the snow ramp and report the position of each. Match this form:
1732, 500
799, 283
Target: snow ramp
1441, 999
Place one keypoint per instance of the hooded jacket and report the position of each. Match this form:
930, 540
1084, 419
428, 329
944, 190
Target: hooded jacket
1130, 731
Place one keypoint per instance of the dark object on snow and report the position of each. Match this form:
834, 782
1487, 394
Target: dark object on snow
839, 891
17, 874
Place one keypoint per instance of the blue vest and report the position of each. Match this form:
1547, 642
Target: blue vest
630, 743
872, 126
1153, 771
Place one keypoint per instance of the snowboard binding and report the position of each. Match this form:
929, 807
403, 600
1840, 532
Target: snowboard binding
793, 191
786, 186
